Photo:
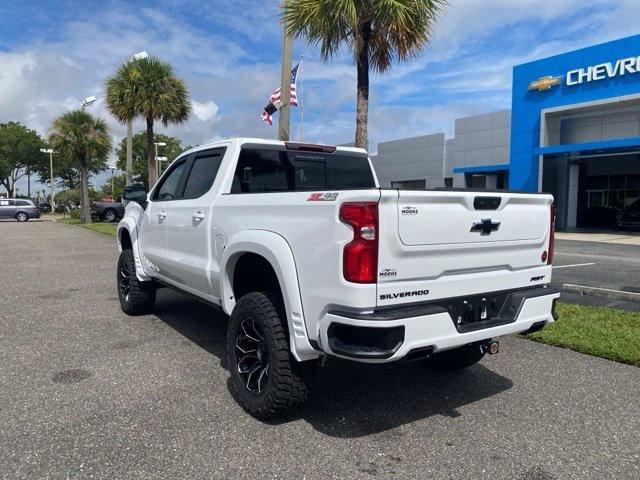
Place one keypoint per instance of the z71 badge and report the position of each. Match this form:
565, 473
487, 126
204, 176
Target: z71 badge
323, 197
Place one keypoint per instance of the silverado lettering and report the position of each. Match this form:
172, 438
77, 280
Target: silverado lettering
414, 293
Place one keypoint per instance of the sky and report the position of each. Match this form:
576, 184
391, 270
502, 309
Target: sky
54, 53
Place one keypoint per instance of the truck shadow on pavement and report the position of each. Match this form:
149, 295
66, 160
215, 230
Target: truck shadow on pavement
348, 399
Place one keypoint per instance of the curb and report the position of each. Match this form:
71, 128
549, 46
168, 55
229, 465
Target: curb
601, 292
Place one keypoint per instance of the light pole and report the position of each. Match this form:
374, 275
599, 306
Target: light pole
285, 86
160, 160
113, 198
158, 144
88, 101
128, 179
50, 152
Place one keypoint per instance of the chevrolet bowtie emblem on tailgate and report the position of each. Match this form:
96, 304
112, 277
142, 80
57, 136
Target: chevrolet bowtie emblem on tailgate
544, 83
485, 226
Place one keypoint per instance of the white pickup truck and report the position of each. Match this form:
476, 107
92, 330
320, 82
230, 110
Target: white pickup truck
309, 257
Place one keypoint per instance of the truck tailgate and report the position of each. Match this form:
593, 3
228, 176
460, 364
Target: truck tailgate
449, 243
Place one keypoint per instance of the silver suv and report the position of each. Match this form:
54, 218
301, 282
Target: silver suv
18, 208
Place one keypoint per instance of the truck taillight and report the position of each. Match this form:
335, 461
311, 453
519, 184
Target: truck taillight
552, 232
360, 256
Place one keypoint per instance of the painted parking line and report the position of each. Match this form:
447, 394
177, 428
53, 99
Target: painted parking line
574, 265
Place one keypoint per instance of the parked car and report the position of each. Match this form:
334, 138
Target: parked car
629, 217
107, 211
44, 207
309, 257
18, 208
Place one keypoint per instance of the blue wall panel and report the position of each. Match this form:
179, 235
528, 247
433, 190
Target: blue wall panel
526, 106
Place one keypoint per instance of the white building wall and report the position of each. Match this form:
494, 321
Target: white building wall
481, 140
417, 158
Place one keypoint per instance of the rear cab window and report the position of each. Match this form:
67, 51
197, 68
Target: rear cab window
262, 170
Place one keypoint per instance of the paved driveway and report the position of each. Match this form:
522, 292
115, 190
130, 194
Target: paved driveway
88, 392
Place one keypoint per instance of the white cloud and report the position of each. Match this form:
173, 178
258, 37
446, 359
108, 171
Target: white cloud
204, 111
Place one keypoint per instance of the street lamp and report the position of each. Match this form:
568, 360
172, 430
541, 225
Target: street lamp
158, 144
88, 101
112, 168
140, 55
159, 160
50, 151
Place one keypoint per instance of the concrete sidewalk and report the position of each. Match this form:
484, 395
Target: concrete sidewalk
623, 238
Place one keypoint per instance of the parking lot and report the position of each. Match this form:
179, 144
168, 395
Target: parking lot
86, 391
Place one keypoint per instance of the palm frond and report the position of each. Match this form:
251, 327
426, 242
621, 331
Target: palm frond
147, 88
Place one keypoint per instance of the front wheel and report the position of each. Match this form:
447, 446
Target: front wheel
109, 216
136, 297
457, 358
266, 381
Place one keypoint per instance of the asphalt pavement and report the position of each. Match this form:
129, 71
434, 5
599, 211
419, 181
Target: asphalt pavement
595, 264
87, 392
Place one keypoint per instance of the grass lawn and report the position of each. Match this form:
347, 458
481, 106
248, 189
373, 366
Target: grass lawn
600, 331
108, 228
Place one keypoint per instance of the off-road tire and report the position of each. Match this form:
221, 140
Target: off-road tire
284, 389
139, 298
22, 217
457, 358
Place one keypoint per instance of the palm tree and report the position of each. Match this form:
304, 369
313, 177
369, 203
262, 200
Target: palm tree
148, 88
378, 32
120, 100
80, 138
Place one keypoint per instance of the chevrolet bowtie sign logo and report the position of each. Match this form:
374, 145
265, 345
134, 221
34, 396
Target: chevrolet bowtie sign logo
544, 83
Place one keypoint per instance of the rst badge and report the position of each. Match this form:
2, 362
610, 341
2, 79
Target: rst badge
323, 197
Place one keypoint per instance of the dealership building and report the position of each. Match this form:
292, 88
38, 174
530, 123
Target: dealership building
573, 130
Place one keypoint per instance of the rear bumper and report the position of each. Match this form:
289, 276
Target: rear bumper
391, 334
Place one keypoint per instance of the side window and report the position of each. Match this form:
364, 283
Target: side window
260, 171
203, 172
6, 203
22, 203
168, 188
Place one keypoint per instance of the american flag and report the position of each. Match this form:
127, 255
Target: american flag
274, 99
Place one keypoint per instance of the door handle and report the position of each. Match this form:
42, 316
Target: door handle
198, 215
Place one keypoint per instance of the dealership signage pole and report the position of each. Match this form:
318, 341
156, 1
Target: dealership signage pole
285, 86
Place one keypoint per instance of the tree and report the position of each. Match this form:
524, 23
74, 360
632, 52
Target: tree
140, 168
118, 187
80, 138
19, 154
148, 88
378, 32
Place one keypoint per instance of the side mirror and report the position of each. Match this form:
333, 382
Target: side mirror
135, 193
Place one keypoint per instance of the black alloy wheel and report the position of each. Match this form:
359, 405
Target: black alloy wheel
252, 356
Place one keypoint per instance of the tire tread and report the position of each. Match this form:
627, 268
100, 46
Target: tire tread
288, 389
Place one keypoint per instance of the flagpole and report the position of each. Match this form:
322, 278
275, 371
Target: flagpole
301, 100
285, 86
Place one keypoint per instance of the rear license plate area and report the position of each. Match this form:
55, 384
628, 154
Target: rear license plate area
476, 309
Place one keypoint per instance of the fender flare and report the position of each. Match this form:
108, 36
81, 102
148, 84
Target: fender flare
275, 249
128, 223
